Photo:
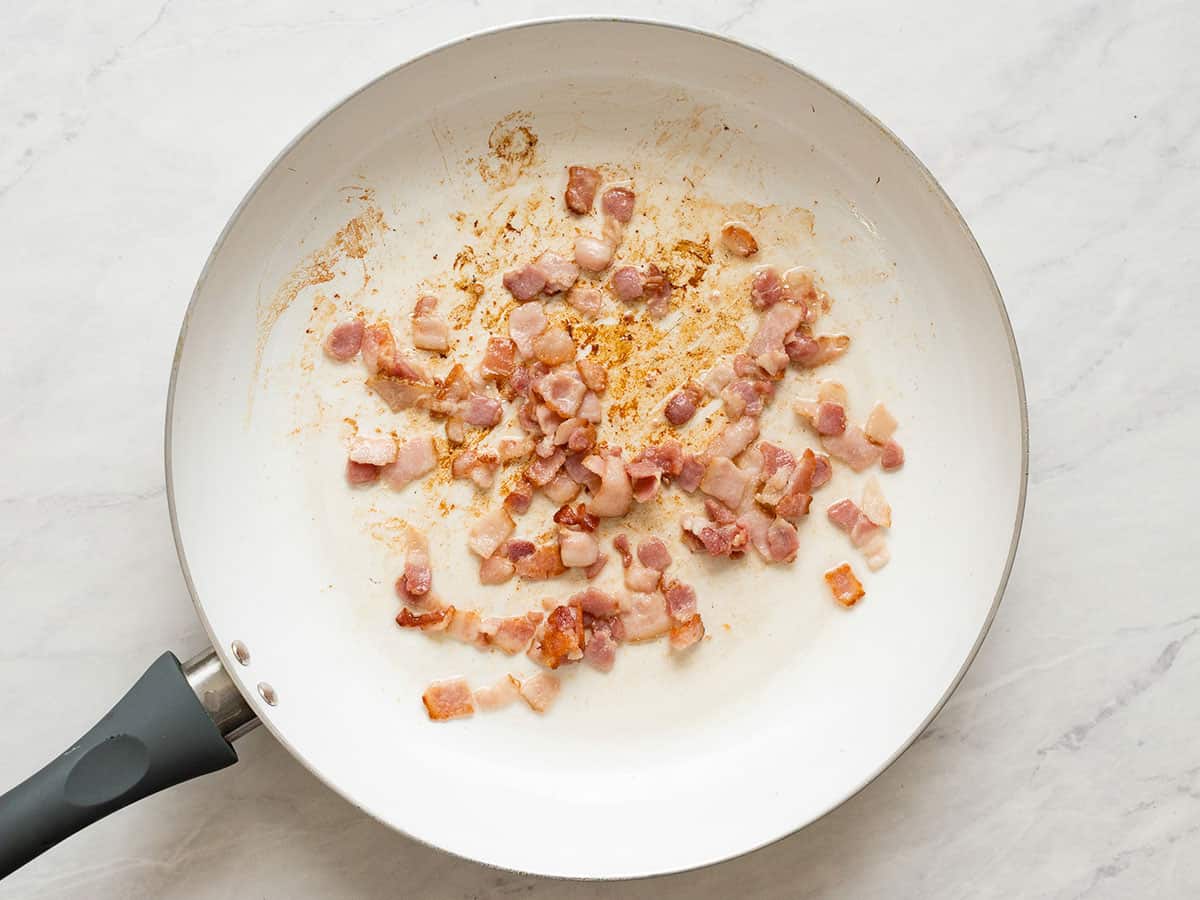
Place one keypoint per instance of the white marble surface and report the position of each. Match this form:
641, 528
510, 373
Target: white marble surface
1068, 763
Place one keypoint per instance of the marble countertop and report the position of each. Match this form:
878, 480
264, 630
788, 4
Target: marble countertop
1068, 762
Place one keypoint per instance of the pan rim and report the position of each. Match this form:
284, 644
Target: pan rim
262, 710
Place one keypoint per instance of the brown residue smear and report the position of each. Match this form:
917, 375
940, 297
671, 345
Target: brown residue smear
512, 148
354, 240
393, 532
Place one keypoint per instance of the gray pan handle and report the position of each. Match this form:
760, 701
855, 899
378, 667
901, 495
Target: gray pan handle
175, 723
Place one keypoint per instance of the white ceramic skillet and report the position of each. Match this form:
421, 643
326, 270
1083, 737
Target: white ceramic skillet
794, 703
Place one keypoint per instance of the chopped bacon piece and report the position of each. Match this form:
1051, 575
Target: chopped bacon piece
543, 469
767, 345
518, 499
481, 411
615, 494
498, 695
579, 473
793, 506
846, 588
756, 524
627, 284
600, 651
582, 183
822, 470
561, 488
378, 347
577, 549
554, 346
831, 419
344, 342
525, 283
685, 634
766, 288
499, 359
876, 553
808, 352
597, 567
361, 473
723, 540
593, 254
682, 405
646, 618
864, 532
510, 449
881, 425
489, 532
376, 451
559, 639
621, 545
517, 549
832, 392
738, 240
524, 324
618, 202
656, 288
680, 599
747, 397
449, 699
852, 448
718, 512
874, 505
429, 330
559, 273
668, 456
844, 514
734, 437
586, 299
642, 579
594, 375
418, 576
578, 518
437, 620
400, 393
544, 563
782, 541
725, 481
775, 458
590, 409
645, 476
690, 474
540, 690
803, 291
464, 625
652, 552
511, 635
563, 392
495, 570
595, 602
892, 456
414, 458
718, 378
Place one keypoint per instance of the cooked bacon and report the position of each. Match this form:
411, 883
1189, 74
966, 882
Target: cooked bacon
822, 470
881, 425
518, 499
437, 620
627, 284
646, 618
464, 625
876, 553
845, 587
544, 563
594, 375
579, 473
803, 291
429, 331
830, 419
554, 346
498, 695
680, 599
738, 240
561, 488
833, 392
852, 448
757, 524
615, 494
690, 473
449, 699
540, 690
576, 434
482, 411
414, 458
874, 505
361, 473
808, 352
793, 506
524, 324
747, 397
577, 549
715, 540
560, 273
495, 570
511, 635
590, 409
645, 476
682, 405
656, 288
489, 532
418, 576
718, 512
578, 518
782, 541
377, 451
400, 393
524, 283
864, 532
378, 347
642, 578
892, 456
559, 639
595, 602
586, 299
582, 183
621, 545
668, 456
593, 254
725, 481
618, 202
510, 449
562, 390
653, 553
718, 378
543, 469
766, 288
518, 549
844, 514
684, 635
767, 345
600, 651
499, 359
597, 567
734, 437
775, 458
345, 340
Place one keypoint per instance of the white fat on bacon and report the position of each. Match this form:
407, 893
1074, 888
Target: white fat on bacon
524, 324
734, 438
880, 426
646, 617
377, 451
540, 691
429, 330
450, 699
614, 497
489, 532
414, 458
725, 481
577, 549
497, 696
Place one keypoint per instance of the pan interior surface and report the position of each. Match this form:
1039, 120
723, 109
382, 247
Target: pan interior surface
442, 175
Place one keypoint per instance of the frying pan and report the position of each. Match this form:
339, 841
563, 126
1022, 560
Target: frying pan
793, 704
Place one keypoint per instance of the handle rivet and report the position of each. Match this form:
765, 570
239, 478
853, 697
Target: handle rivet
240, 652
268, 693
